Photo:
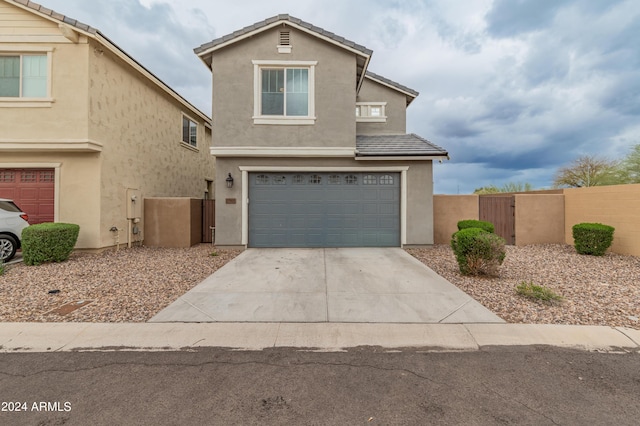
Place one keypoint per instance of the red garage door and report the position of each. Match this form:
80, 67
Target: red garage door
32, 190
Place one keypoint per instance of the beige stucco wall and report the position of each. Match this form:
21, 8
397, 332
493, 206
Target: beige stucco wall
396, 109
172, 222
131, 129
617, 206
448, 210
78, 174
419, 191
140, 128
539, 219
233, 93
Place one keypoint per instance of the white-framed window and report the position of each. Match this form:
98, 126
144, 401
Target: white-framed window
25, 76
284, 92
189, 131
373, 112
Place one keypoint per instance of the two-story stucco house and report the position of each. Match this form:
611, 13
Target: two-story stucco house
86, 131
311, 148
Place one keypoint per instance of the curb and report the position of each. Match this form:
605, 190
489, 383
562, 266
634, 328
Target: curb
64, 337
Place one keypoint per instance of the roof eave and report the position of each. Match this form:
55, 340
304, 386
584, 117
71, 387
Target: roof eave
205, 53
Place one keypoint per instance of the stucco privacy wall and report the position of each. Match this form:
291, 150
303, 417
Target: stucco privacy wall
419, 190
233, 93
448, 210
172, 222
539, 219
141, 131
396, 109
617, 206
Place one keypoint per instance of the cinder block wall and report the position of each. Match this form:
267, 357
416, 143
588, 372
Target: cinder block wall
172, 222
448, 210
617, 206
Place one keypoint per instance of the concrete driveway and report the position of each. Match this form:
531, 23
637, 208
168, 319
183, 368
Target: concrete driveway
376, 285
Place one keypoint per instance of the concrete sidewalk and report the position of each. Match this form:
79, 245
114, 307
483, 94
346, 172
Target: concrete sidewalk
51, 337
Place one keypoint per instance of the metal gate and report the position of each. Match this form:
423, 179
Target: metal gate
500, 210
208, 220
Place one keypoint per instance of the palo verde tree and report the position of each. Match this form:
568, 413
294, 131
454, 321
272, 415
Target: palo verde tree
588, 170
507, 187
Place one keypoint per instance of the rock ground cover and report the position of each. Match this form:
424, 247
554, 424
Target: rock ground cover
129, 285
596, 290
132, 285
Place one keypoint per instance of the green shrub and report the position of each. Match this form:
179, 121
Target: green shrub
1, 267
48, 242
538, 292
477, 251
470, 223
592, 238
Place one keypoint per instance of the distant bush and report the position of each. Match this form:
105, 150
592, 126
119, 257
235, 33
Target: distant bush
592, 238
478, 252
48, 242
481, 224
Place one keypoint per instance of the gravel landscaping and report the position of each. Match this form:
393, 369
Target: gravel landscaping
596, 290
132, 285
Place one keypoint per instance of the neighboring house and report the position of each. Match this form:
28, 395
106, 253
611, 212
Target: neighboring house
315, 144
86, 131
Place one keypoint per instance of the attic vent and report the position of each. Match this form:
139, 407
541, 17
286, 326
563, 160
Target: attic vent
284, 42
285, 38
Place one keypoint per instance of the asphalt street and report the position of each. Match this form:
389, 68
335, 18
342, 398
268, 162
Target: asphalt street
369, 386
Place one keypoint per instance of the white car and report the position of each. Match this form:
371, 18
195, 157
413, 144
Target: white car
12, 222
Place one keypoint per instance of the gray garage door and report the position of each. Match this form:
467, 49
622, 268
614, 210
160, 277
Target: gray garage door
324, 209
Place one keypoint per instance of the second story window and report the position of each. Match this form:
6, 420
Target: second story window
189, 131
373, 112
284, 92
23, 76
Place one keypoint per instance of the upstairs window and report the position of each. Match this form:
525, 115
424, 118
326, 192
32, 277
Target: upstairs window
284, 92
189, 131
373, 112
24, 76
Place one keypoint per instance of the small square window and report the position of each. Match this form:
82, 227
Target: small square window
351, 180
6, 176
298, 180
315, 179
46, 176
262, 180
370, 180
28, 176
334, 180
386, 180
279, 180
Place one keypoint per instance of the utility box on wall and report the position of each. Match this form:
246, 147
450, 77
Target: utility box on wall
172, 222
134, 204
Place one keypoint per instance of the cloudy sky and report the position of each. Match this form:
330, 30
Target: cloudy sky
513, 89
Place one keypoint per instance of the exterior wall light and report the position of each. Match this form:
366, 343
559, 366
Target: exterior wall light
229, 181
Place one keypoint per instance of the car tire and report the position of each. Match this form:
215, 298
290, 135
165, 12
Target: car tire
8, 247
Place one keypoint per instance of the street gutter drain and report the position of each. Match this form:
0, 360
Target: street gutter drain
70, 307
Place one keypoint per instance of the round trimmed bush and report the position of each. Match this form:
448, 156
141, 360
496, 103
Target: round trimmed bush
592, 238
48, 242
470, 223
477, 251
